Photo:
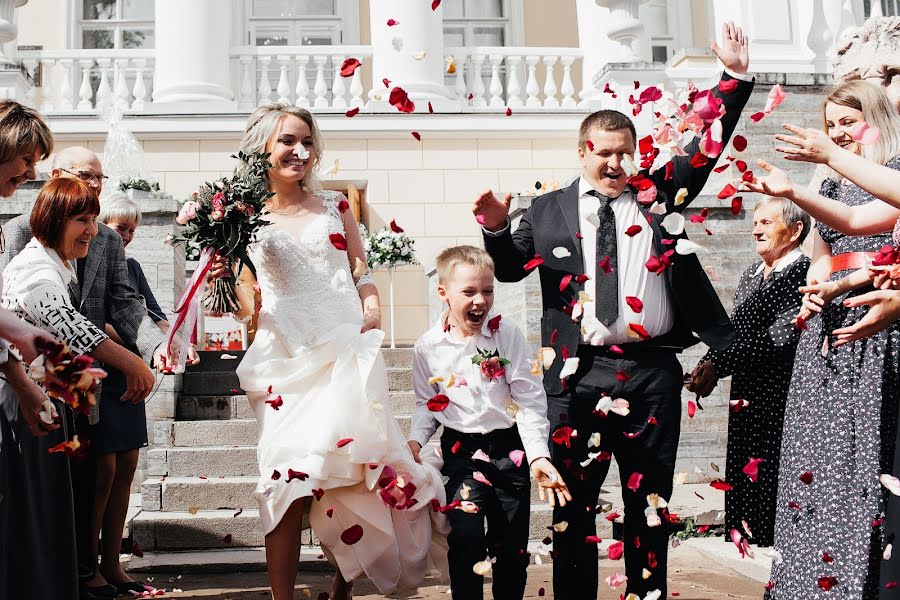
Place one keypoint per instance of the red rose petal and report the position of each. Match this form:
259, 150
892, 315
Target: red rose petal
800, 323
392, 22
338, 241
692, 408
535, 262
343, 205
721, 485
395, 228
386, 82
329, 512
435, 4
580, 279
616, 550
698, 160
494, 324
508, 111
592, 539
635, 303
726, 87
227, 539
589, 144
292, 475
399, 99
634, 481
352, 112
739, 142
603, 263
827, 558
806, 477
343, 442
726, 192
417, 135
827, 582
755, 117
430, 108
354, 533
564, 282
276, 475
741, 165
455, 447
563, 435
701, 217
633, 230
737, 203
318, 493
639, 329
438, 403
349, 67
275, 402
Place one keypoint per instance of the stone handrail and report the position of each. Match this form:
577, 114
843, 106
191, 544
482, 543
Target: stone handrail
507, 63
84, 80
329, 91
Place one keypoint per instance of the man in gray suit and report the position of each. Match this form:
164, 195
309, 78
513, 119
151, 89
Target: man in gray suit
103, 294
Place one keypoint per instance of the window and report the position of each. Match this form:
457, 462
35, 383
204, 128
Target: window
890, 8
476, 23
297, 22
116, 23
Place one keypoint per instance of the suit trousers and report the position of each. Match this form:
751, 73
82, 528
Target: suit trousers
504, 505
644, 442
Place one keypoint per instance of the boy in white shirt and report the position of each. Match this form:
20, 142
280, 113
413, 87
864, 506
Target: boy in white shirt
473, 375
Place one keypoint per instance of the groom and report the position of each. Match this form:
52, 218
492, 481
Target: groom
597, 228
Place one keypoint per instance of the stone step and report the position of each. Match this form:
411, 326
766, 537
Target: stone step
397, 357
199, 408
400, 378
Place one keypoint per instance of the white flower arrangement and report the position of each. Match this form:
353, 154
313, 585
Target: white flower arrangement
387, 248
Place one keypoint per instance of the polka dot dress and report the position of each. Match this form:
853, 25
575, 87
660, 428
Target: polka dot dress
839, 431
760, 362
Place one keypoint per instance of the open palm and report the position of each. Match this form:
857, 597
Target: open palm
776, 183
735, 49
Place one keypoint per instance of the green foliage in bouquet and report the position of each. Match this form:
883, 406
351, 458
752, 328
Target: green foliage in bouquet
138, 184
386, 248
226, 215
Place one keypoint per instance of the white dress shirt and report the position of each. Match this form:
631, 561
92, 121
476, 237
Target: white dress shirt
634, 278
783, 263
476, 404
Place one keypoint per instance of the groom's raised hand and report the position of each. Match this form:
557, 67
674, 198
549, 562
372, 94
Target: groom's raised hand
735, 49
491, 212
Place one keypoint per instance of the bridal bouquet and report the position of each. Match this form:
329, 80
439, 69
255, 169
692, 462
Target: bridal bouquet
390, 247
223, 217
65, 376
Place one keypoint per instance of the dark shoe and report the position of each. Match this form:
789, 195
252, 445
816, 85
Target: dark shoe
102, 591
132, 586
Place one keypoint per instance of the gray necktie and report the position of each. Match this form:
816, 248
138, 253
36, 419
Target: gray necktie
606, 291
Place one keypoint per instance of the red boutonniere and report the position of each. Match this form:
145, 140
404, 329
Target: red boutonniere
492, 366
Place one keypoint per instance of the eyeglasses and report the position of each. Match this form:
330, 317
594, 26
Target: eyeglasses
87, 175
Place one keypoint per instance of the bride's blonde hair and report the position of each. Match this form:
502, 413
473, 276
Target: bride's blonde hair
263, 124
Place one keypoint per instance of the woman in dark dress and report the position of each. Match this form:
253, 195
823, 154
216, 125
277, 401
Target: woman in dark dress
841, 416
760, 362
122, 429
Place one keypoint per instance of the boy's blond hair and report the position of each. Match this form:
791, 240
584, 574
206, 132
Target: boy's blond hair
447, 260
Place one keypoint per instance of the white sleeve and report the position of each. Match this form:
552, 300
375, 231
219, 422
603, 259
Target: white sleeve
742, 76
47, 306
499, 232
527, 393
424, 423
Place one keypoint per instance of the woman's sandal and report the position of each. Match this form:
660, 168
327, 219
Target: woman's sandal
132, 586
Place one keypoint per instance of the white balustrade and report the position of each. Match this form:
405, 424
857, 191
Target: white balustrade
506, 64
302, 89
338, 89
284, 88
264, 90
84, 80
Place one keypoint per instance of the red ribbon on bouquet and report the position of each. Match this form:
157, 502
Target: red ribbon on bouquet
188, 309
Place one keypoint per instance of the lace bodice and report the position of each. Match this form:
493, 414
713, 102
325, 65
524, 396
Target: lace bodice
306, 284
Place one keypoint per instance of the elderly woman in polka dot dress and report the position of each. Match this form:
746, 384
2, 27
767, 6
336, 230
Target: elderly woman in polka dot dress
760, 362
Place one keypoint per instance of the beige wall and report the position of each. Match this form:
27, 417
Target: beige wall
44, 23
550, 23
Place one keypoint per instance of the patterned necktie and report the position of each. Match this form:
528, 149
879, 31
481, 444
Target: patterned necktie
606, 292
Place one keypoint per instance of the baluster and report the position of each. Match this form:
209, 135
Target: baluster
49, 95
65, 88
513, 87
875, 9
140, 90
338, 89
284, 88
31, 66
496, 87
532, 89
84, 91
475, 77
819, 39
245, 102
460, 84
120, 71
104, 92
264, 90
550, 99
356, 89
568, 88
320, 89
302, 89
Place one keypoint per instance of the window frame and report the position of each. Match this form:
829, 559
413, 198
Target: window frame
513, 24
345, 20
79, 25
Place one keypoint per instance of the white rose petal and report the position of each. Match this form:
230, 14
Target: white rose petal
482, 568
654, 595
561, 252
593, 219
681, 478
47, 412
628, 165
680, 195
569, 367
674, 223
594, 442
658, 208
888, 551
546, 356
561, 526
684, 247
891, 483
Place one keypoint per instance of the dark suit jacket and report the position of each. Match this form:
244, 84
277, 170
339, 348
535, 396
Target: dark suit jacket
553, 221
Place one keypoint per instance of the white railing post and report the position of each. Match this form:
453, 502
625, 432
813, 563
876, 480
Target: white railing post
140, 90
459, 62
875, 9
496, 88
568, 88
320, 89
302, 89
532, 89
550, 89
31, 66
104, 92
284, 88
245, 101
513, 87
264, 90
356, 89
49, 94
121, 89
820, 39
338, 89
84, 90
65, 88
477, 83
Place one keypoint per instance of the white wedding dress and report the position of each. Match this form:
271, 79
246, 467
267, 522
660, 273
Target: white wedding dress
333, 386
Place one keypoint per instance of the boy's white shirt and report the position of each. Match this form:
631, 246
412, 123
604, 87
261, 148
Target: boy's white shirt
479, 406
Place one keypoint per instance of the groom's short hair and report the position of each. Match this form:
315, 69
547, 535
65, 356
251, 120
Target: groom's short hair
605, 120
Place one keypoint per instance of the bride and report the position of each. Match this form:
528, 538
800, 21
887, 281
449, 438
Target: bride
329, 448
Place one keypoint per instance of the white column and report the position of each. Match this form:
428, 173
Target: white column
398, 53
8, 29
192, 53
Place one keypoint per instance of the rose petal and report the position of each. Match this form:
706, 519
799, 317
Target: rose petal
564, 282
438, 403
561, 252
494, 323
673, 223
685, 247
352, 534
751, 469
400, 100
343, 442
634, 303
417, 135
516, 456
726, 87
634, 481
479, 477
395, 228
633, 230
480, 455
737, 204
569, 367
338, 241
352, 112
535, 262
864, 133
739, 142
721, 485
616, 550
349, 67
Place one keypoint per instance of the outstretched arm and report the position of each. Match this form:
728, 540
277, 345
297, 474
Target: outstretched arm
510, 251
814, 145
365, 283
868, 219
